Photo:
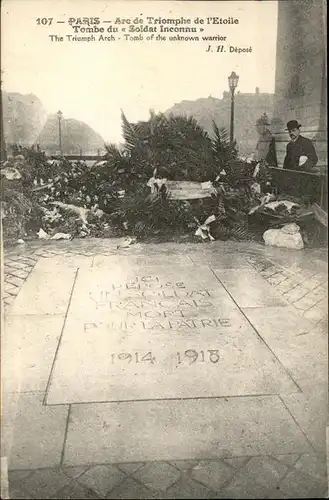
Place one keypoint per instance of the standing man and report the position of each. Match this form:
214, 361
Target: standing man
300, 154
265, 149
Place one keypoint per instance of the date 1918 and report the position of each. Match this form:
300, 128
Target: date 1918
191, 356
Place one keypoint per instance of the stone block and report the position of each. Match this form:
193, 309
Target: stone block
187, 488
212, 473
44, 483
38, 434
181, 430
310, 409
298, 485
101, 478
157, 475
249, 289
255, 480
50, 291
299, 346
131, 489
28, 349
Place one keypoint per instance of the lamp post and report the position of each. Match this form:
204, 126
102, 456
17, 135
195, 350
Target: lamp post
233, 80
60, 116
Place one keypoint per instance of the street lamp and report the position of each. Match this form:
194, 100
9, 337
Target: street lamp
60, 116
233, 80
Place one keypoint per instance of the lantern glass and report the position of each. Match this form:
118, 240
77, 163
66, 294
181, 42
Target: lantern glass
233, 80
59, 114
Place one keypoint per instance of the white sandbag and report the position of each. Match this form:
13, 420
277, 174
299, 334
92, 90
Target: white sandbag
61, 236
280, 238
43, 235
290, 228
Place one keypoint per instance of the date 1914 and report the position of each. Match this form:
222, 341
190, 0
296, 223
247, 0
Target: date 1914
134, 357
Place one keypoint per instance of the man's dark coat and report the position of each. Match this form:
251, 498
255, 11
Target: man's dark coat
301, 147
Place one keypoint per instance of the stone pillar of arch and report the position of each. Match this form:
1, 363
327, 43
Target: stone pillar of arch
301, 74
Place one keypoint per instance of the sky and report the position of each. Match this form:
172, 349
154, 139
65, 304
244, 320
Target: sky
93, 81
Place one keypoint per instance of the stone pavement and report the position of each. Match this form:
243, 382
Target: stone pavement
164, 371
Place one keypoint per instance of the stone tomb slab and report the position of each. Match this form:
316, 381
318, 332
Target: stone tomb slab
159, 333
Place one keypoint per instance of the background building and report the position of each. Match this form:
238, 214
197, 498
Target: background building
248, 108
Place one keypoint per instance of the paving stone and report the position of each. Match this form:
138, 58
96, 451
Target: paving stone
256, 479
58, 262
28, 350
50, 291
25, 261
16, 476
311, 412
322, 325
184, 464
288, 284
18, 273
276, 494
220, 260
270, 271
4, 483
186, 487
157, 475
237, 462
317, 312
9, 292
18, 493
320, 291
12, 264
38, 433
212, 473
322, 274
9, 405
299, 485
123, 261
276, 279
101, 478
75, 491
299, 346
248, 288
288, 459
43, 254
44, 483
129, 489
313, 465
312, 283
296, 293
129, 468
261, 266
309, 300
13, 280
74, 472
180, 430
8, 301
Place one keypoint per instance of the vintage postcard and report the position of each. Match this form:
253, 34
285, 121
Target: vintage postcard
164, 249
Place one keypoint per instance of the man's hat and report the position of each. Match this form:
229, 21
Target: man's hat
293, 124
